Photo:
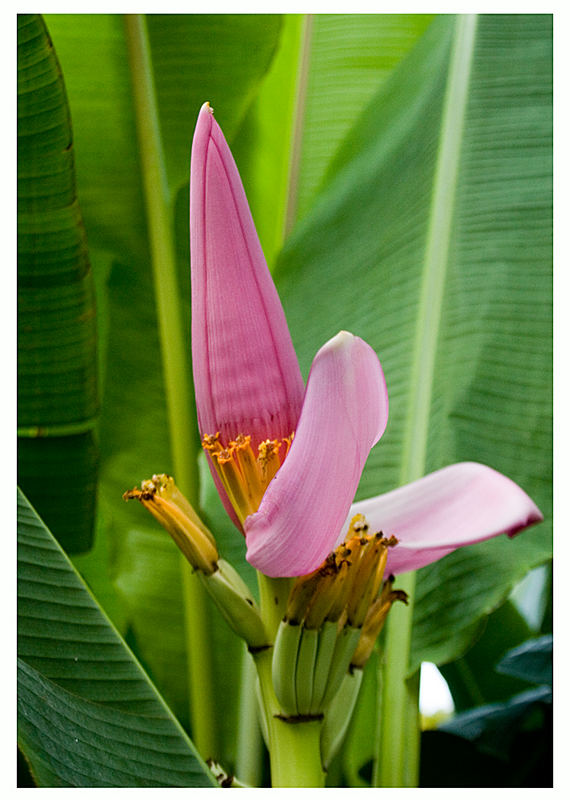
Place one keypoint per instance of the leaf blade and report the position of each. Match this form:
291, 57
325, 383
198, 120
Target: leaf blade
78, 682
367, 233
57, 376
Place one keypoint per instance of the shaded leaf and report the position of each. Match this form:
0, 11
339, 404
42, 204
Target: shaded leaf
517, 731
88, 714
494, 726
472, 679
57, 371
531, 661
448, 761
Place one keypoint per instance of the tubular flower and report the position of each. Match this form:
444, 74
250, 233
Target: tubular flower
164, 500
287, 459
171, 509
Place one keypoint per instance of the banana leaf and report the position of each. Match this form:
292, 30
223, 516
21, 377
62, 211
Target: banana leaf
57, 358
88, 714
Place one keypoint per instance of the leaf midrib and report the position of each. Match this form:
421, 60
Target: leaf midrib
436, 256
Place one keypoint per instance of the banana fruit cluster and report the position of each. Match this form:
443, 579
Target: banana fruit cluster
332, 620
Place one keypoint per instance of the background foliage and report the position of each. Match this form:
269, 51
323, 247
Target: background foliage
338, 124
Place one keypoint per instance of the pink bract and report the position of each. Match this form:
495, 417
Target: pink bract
246, 375
456, 506
344, 414
247, 381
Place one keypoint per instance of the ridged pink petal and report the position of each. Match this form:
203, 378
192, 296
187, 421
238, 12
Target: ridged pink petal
246, 375
455, 506
344, 413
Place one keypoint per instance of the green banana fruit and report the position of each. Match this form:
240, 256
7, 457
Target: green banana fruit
262, 713
305, 668
236, 604
339, 714
284, 663
343, 652
327, 641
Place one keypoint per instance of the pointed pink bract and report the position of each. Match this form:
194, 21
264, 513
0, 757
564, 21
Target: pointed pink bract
344, 413
455, 506
246, 375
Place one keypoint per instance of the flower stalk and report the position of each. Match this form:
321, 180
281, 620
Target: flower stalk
294, 746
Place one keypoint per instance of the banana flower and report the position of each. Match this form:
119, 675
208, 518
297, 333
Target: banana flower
286, 458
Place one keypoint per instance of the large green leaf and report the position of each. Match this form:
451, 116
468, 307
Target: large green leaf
350, 57
191, 56
265, 143
88, 715
326, 70
57, 371
362, 261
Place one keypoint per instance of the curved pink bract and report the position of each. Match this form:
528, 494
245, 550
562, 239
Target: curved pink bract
344, 413
458, 505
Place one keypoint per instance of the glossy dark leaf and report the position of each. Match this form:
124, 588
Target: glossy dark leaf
531, 661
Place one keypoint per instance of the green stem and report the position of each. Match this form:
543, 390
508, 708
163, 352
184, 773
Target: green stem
398, 759
174, 350
200, 664
399, 728
294, 747
249, 753
273, 595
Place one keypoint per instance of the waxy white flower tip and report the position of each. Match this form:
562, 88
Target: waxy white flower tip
340, 341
